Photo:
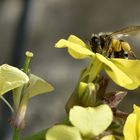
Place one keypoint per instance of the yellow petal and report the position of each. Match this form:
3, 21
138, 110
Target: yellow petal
130, 127
76, 47
76, 40
131, 68
63, 132
116, 73
10, 78
91, 121
137, 112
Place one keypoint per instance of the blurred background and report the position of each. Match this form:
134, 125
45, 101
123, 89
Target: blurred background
36, 25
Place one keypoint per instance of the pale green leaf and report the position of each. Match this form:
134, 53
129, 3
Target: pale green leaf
38, 86
131, 68
116, 73
108, 137
10, 78
91, 121
63, 132
76, 47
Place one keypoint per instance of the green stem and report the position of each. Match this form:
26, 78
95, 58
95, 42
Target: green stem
7, 103
16, 134
92, 70
19, 91
95, 70
29, 55
17, 97
38, 136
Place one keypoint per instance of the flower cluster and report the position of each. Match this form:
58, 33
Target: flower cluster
93, 112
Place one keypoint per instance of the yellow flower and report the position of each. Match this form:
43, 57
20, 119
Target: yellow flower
123, 72
132, 125
87, 123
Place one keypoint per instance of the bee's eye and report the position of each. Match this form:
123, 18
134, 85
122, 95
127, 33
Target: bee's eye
95, 40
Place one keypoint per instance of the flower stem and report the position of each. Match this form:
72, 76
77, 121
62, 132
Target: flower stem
15, 134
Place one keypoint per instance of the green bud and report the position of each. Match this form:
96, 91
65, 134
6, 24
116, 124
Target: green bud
88, 97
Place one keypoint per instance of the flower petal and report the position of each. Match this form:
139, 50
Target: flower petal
10, 78
91, 121
130, 127
76, 47
63, 132
38, 86
116, 73
137, 112
76, 40
131, 68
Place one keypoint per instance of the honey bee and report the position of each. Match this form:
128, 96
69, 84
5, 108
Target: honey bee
111, 44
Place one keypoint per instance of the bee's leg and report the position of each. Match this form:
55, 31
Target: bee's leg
109, 51
126, 47
125, 55
121, 54
109, 55
132, 54
117, 55
99, 49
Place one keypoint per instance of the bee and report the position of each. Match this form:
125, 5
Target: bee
111, 44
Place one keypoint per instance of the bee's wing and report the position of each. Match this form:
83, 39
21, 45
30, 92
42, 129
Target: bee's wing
128, 31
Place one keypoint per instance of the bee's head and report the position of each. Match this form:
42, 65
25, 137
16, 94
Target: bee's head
95, 43
95, 40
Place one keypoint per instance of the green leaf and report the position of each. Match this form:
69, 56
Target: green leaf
76, 47
63, 132
91, 121
38, 86
10, 78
